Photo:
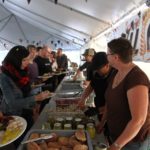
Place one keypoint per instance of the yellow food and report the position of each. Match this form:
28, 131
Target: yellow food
10, 135
80, 135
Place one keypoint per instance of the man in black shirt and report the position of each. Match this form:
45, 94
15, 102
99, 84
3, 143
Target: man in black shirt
62, 60
43, 62
99, 80
88, 54
44, 67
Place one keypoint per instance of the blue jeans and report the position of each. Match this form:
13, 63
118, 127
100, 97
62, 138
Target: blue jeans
145, 145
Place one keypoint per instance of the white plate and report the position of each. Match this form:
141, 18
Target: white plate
24, 125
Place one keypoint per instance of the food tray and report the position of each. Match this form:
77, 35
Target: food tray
66, 101
59, 132
65, 109
70, 88
72, 82
71, 94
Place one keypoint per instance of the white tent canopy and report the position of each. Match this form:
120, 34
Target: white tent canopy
69, 24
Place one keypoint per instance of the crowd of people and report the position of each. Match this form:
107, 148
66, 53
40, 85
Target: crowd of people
121, 89
122, 97
20, 69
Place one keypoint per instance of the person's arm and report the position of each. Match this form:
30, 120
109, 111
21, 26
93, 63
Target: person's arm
138, 104
76, 75
81, 68
101, 124
85, 94
15, 97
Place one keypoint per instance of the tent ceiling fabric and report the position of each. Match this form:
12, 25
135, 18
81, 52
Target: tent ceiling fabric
68, 24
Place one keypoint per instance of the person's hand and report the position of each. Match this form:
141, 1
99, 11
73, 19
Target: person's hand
112, 147
86, 83
42, 96
100, 127
81, 104
74, 78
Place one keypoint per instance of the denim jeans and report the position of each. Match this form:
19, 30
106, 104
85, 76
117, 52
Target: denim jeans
145, 145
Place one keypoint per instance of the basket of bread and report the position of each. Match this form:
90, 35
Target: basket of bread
56, 140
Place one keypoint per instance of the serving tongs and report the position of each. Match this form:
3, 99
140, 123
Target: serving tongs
46, 137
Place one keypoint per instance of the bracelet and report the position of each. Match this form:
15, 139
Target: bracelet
117, 145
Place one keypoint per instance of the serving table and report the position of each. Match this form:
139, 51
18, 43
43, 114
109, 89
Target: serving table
65, 86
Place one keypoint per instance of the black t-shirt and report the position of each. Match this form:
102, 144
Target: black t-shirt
43, 64
89, 71
62, 62
99, 85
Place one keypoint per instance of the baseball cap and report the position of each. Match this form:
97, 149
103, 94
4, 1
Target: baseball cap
89, 51
99, 60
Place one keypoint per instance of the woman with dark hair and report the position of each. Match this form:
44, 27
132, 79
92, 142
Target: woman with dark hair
15, 85
127, 100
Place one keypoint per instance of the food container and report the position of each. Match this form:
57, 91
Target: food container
67, 101
67, 126
69, 120
57, 126
91, 130
66, 133
80, 127
73, 118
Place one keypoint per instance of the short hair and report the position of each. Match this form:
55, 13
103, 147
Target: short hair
39, 48
54, 54
123, 48
15, 56
60, 49
30, 46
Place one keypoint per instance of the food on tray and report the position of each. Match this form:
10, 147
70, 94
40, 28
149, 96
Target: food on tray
80, 135
68, 108
33, 146
80, 147
59, 143
53, 149
34, 136
61, 101
63, 140
43, 145
73, 141
54, 145
53, 139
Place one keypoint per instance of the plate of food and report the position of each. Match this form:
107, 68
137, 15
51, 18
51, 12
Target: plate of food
11, 128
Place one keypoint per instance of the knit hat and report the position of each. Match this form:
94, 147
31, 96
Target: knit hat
89, 52
99, 60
